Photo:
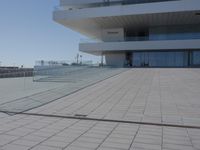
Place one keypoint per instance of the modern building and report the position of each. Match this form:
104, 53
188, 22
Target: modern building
136, 33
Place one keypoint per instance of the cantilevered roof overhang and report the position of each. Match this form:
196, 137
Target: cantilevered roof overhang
90, 21
170, 45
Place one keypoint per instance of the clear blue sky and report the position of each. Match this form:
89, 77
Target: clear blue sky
28, 33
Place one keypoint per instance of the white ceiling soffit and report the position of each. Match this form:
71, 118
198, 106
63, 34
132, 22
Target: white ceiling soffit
90, 21
148, 20
92, 27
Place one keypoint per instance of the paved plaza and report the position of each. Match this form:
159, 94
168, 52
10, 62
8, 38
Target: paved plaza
23, 94
152, 96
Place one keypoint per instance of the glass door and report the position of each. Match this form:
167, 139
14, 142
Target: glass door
140, 59
146, 59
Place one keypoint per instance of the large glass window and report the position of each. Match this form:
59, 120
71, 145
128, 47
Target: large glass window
160, 59
196, 58
174, 32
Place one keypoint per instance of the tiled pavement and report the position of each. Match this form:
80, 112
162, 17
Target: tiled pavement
42, 133
149, 95
24, 94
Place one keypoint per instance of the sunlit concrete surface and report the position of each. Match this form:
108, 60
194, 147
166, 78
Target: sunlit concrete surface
143, 95
22, 94
148, 95
21, 132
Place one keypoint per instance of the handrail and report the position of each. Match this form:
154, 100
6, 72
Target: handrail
17, 74
104, 3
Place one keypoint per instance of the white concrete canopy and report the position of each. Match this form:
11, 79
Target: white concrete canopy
90, 21
139, 45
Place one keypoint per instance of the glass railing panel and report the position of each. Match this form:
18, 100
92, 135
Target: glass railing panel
160, 37
108, 3
21, 94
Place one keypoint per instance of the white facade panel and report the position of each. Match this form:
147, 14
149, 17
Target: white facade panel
82, 2
91, 21
140, 45
123, 10
115, 59
113, 34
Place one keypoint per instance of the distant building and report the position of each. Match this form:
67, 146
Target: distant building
136, 33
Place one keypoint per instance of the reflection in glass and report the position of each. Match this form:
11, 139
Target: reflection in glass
196, 57
160, 59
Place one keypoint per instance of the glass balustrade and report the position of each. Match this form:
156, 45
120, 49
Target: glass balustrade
104, 3
158, 37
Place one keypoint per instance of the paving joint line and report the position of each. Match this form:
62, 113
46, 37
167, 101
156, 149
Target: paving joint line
104, 120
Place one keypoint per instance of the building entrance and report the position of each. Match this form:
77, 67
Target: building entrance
144, 59
129, 61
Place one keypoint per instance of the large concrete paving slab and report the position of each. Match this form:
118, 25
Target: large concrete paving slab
21, 132
163, 96
148, 95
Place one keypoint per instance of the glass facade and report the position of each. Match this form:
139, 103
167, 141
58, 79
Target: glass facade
166, 59
196, 58
175, 32
184, 32
142, 1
